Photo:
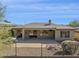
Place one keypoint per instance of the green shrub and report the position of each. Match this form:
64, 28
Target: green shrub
5, 38
70, 47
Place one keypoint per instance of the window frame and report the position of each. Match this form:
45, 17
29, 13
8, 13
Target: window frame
65, 34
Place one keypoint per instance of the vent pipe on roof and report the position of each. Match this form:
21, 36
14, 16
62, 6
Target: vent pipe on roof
49, 21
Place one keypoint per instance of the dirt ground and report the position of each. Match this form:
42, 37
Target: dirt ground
33, 48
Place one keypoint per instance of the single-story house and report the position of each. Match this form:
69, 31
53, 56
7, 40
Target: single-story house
44, 31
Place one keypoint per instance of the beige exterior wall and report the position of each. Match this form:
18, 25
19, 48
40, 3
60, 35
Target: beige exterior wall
72, 34
57, 35
76, 35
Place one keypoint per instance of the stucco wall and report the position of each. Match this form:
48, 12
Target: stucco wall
57, 35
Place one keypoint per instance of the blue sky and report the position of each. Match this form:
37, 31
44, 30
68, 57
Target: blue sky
27, 11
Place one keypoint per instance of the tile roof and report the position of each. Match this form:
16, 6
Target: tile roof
77, 29
44, 26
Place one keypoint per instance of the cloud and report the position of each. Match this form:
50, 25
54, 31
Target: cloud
34, 9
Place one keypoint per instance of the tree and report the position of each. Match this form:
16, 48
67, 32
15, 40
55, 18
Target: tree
2, 14
74, 23
2, 10
7, 21
5, 33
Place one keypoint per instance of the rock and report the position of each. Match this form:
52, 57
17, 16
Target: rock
49, 47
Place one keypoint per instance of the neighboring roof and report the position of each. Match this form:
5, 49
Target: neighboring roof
77, 29
64, 27
44, 26
4, 23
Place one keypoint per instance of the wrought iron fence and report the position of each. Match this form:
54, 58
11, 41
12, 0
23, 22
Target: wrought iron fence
29, 49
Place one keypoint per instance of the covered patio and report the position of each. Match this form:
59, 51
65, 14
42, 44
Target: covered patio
25, 34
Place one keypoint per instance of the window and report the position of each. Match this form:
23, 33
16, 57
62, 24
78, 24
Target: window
65, 34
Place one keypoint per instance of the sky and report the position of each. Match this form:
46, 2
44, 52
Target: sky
28, 11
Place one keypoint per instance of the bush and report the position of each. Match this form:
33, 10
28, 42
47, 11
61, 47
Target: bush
5, 38
70, 47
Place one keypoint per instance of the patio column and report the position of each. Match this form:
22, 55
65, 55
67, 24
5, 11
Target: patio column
15, 33
23, 36
57, 35
41, 33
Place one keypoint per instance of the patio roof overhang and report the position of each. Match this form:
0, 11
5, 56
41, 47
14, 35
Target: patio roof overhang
43, 28
34, 28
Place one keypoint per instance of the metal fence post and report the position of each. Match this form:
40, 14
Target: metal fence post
15, 47
41, 48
